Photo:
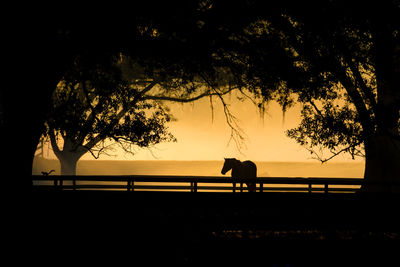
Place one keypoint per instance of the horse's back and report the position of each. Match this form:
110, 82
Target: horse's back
251, 167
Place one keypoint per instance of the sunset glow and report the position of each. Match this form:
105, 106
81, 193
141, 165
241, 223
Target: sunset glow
203, 134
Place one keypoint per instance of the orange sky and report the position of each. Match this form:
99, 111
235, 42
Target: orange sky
201, 138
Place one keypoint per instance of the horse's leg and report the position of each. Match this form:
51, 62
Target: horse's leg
251, 187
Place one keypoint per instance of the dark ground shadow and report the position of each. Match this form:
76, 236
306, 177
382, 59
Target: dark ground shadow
189, 228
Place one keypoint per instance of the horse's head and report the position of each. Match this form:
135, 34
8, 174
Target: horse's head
228, 164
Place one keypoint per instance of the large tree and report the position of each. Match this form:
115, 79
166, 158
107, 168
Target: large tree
95, 109
341, 60
84, 122
42, 43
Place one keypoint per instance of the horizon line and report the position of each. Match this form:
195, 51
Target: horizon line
188, 160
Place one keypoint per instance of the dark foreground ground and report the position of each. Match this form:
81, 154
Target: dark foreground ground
200, 228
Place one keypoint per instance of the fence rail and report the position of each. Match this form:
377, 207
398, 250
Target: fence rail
196, 183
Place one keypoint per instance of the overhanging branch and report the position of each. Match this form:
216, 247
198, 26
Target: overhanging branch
237, 134
354, 153
184, 100
357, 100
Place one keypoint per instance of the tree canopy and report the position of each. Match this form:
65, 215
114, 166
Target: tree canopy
86, 114
339, 58
96, 107
341, 61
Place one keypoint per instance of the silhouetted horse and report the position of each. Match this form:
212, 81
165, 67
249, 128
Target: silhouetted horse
241, 170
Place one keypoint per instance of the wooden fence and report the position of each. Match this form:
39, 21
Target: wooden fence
134, 183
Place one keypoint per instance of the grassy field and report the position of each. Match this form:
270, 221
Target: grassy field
204, 168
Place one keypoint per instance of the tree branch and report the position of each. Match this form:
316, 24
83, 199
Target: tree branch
183, 100
146, 89
237, 134
92, 116
357, 100
54, 144
99, 151
89, 145
94, 155
335, 154
364, 88
316, 108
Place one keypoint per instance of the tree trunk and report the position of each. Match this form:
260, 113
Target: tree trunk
382, 149
18, 157
26, 93
68, 164
382, 165
22, 117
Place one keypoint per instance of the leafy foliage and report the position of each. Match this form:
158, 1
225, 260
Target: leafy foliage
335, 58
332, 57
95, 105
331, 127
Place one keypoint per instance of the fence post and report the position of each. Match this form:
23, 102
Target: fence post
132, 181
193, 186
261, 187
241, 187
309, 188
129, 184
326, 188
56, 182
234, 187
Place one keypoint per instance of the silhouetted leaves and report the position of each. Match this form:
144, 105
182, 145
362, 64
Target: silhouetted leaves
95, 105
337, 58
